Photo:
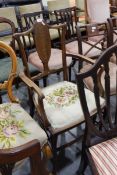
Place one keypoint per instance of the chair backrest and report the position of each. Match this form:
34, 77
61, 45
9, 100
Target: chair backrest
97, 11
68, 16
113, 30
7, 28
24, 9
7, 85
96, 35
106, 116
28, 19
41, 42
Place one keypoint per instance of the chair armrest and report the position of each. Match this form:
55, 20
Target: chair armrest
81, 57
39, 106
32, 85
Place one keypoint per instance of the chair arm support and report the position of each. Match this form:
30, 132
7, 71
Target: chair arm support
32, 85
82, 57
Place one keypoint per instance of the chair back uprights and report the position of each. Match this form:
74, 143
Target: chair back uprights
104, 126
7, 84
112, 31
68, 16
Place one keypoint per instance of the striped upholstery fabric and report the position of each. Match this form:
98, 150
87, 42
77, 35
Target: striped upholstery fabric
105, 157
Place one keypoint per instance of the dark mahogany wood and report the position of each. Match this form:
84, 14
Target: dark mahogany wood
106, 128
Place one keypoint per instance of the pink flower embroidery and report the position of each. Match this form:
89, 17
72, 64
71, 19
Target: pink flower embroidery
10, 130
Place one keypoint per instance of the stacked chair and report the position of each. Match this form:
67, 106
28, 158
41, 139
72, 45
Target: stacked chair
59, 106
21, 137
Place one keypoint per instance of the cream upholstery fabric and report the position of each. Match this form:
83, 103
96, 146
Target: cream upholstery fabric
6, 39
62, 105
56, 4
53, 34
98, 11
113, 69
105, 157
17, 127
8, 12
55, 61
72, 48
30, 8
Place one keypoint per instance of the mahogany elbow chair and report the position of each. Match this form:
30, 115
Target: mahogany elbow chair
58, 109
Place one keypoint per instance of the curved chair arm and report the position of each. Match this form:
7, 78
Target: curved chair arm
32, 85
8, 84
37, 90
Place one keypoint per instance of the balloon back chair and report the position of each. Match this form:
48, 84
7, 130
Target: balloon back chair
20, 136
100, 139
59, 107
7, 29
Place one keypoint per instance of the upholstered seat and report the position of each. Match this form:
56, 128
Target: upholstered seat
72, 48
103, 156
6, 62
55, 61
54, 34
89, 82
62, 105
17, 127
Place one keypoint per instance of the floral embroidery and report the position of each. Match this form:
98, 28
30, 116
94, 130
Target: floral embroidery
62, 96
10, 127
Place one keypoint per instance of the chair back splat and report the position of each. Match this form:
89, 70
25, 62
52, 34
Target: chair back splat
101, 131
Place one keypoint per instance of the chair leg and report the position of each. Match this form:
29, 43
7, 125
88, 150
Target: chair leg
70, 73
83, 161
31, 103
37, 165
0, 99
44, 81
6, 169
54, 150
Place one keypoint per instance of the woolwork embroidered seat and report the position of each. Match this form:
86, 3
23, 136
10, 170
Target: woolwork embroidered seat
62, 105
16, 127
